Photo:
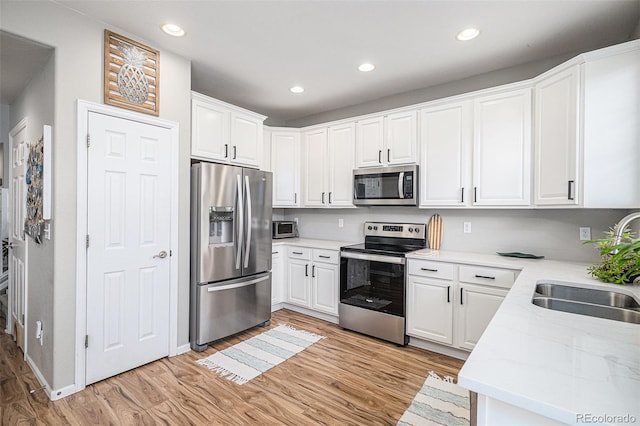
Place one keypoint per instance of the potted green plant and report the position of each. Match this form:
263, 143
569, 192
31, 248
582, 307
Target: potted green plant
620, 262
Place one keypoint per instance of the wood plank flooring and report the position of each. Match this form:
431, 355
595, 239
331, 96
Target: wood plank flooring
345, 379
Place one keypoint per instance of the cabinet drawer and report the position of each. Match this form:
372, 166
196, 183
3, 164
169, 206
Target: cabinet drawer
278, 251
426, 268
487, 276
299, 253
326, 256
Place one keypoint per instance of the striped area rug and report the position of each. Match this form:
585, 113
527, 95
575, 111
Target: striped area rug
439, 402
248, 359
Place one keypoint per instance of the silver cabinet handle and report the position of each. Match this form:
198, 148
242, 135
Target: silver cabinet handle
324, 257
389, 155
570, 190
226, 150
313, 271
380, 156
487, 277
429, 270
234, 152
296, 252
161, 255
448, 294
329, 197
400, 185
462, 197
323, 198
240, 219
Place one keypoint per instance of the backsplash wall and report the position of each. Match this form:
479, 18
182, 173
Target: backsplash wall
551, 233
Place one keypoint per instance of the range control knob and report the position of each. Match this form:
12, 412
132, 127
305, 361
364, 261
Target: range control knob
410, 229
375, 228
417, 230
369, 228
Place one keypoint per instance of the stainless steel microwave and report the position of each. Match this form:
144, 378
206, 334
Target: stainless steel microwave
284, 229
396, 186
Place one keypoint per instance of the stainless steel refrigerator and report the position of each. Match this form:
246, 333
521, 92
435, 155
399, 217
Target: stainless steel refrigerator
230, 251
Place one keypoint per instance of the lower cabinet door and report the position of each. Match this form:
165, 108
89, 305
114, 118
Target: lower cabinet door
325, 287
277, 277
476, 306
430, 309
298, 281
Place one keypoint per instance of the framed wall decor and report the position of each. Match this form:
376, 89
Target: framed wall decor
131, 74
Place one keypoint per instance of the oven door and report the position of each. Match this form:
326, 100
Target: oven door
372, 281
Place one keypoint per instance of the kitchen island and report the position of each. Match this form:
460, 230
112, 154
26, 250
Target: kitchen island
538, 366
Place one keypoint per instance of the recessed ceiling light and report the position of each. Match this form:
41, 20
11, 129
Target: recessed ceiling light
468, 34
366, 67
297, 89
173, 30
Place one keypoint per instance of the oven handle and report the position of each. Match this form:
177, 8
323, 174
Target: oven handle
374, 257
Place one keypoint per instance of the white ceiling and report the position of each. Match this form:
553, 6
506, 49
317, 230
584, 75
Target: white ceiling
250, 53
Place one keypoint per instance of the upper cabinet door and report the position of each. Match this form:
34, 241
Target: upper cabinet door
341, 143
246, 139
502, 149
401, 138
445, 166
315, 168
556, 139
370, 142
209, 131
285, 165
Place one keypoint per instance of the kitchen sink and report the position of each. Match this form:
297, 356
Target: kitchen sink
586, 301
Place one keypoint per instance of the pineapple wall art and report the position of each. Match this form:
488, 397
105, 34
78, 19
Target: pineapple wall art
131, 74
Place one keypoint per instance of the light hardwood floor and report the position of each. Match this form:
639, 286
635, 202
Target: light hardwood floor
346, 378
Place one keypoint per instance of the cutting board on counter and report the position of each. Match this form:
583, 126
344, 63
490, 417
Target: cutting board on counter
435, 232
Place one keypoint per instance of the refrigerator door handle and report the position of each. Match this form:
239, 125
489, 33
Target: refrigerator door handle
247, 248
238, 285
240, 219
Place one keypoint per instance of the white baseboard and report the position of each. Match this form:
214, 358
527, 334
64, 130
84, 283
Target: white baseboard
436, 347
53, 394
183, 349
276, 307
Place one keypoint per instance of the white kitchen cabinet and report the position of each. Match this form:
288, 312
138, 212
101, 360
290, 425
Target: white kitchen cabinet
556, 138
315, 169
277, 275
430, 309
452, 304
313, 279
341, 140
502, 149
445, 152
387, 140
328, 166
265, 164
325, 281
476, 307
224, 133
285, 165
298, 276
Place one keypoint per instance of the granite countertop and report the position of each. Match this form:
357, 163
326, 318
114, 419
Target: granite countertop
552, 363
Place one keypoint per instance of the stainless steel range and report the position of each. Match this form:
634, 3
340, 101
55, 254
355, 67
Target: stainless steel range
372, 280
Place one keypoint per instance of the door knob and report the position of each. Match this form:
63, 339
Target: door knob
161, 255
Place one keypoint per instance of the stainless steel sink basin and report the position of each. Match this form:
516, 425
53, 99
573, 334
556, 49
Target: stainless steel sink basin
586, 295
586, 301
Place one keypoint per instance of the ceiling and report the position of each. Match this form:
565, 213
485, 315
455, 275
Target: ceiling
249, 53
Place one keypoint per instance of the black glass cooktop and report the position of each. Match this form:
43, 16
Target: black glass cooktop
386, 249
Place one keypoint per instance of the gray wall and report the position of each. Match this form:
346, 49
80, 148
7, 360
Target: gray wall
78, 43
36, 103
551, 233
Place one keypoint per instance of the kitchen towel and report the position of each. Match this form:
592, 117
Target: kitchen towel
439, 402
248, 359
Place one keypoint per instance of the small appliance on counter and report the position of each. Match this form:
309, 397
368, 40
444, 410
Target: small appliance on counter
284, 229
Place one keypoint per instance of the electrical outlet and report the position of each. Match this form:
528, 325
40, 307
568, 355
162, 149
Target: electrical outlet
466, 226
585, 233
340, 223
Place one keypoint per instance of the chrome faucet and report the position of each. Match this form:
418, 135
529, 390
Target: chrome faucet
623, 224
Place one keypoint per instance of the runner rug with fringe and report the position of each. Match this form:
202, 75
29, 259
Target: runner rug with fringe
439, 402
248, 359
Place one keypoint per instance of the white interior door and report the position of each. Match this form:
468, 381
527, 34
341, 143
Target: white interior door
128, 223
17, 245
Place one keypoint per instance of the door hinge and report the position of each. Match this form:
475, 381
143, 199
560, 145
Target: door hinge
88, 140
86, 341
87, 241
